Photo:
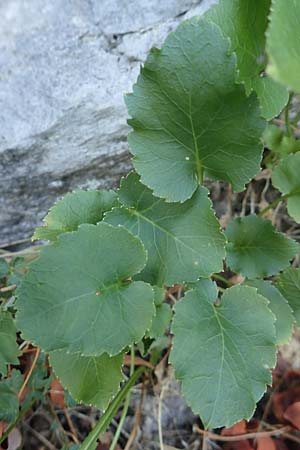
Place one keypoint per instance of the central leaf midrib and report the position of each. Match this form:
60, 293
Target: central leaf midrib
199, 165
155, 225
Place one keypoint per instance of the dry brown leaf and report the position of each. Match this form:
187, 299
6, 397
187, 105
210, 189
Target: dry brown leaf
57, 394
265, 443
292, 414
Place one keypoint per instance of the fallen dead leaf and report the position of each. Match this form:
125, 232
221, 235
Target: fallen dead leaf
266, 443
238, 428
292, 414
14, 440
57, 394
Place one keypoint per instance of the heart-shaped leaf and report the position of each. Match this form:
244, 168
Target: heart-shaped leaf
78, 295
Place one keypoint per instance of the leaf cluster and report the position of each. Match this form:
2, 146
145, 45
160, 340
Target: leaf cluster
198, 111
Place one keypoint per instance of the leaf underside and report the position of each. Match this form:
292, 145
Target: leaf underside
222, 354
78, 295
189, 115
183, 240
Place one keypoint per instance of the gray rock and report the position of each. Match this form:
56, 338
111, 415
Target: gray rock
64, 68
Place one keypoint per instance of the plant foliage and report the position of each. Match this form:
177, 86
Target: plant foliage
197, 111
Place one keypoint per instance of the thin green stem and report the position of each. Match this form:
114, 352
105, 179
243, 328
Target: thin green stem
273, 204
287, 115
223, 279
126, 405
296, 119
91, 440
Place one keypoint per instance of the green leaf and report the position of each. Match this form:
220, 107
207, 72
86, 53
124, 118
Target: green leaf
90, 380
223, 353
255, 249
74, 209
279, 307
283, 39
288, 284
286, 178
183, 240
245, 23
9, 350
4, 268
163, 314
189, 115
273, 96
9, 402
78, 295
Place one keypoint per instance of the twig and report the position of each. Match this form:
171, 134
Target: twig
171, 297
137, 421
137, 362
8, 288
40, 437
38, 351
285, 434
20, 241
204, 442
241, 437
273, 204
71, 426
159, 423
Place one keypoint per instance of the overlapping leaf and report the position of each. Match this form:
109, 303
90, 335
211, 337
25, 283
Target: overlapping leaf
288, 284
223, 353
163, 314
74, 209
286, 178
9, 350
189, 115
93, 380
279, 307
283, 39
245, 23
255, 249
9, 402
183, 240
78, 295
273, 96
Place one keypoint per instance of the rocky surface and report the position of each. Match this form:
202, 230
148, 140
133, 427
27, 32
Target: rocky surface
64, 67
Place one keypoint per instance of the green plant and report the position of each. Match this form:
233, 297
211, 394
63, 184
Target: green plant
198, 111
